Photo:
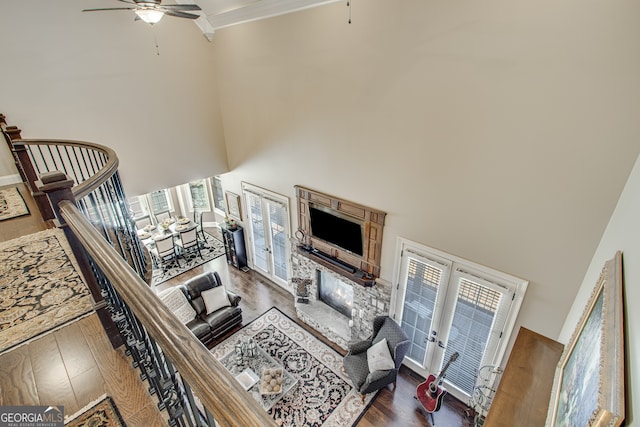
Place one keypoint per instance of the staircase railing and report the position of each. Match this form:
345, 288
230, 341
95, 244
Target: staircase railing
193, 387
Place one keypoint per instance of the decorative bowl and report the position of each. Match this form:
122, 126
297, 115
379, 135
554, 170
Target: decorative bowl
271, 381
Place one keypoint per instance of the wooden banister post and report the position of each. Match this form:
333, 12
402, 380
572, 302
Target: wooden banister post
14, 132
56, 186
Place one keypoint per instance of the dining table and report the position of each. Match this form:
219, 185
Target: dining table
174, 226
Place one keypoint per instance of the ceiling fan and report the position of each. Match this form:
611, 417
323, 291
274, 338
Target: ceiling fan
151, 11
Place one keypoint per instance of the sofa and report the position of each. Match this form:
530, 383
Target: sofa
205, 306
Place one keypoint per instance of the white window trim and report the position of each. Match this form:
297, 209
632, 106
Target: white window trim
277, 198
517, 285
141, 201
167, 192
216, 209
184, 199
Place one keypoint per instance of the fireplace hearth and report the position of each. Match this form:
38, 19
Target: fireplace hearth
354, 321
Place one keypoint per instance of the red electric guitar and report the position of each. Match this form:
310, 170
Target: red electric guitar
429, 393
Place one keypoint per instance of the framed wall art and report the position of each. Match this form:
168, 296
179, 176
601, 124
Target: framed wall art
234, 208
588, 388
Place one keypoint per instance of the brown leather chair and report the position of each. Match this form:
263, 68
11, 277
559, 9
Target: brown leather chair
208, 327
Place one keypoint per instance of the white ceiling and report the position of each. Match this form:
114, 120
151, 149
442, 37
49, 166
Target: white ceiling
225, 13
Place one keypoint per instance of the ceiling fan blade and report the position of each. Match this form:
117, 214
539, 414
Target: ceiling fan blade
181, 14
180, 7
127, 1
108, 8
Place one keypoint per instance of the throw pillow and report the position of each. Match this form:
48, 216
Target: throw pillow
175, 301
379, 358
215, 298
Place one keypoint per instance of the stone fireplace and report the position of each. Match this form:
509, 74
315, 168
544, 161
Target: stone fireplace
358, 304
335, 293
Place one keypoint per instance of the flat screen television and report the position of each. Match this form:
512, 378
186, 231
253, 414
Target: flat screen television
339, 230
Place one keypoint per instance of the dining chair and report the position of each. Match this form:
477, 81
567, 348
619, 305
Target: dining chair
189, 241
161, 216
197, 219
165, 251
142, 222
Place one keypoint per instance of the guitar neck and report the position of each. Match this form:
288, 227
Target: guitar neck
443, 372
453, 357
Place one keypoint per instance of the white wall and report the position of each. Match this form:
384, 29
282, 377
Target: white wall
97, 77
8, 172
621, 234
499, 131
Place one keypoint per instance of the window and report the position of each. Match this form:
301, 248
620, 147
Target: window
160, 201
199, 196
218, 193
138, 206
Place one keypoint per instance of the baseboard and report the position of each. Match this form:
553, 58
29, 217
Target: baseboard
10, 179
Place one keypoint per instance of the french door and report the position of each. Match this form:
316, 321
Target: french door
447, 305
268, 233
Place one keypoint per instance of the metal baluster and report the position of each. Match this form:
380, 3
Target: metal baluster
64, 165
81, 170
136, 251
53, 159
195, 410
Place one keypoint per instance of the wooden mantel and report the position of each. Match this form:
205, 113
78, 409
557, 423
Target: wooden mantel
372, 219
522, 398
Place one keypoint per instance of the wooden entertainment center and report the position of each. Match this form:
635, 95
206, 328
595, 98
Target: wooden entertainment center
362, 269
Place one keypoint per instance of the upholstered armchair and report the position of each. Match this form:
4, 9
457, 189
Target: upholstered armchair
371, 353
215, 314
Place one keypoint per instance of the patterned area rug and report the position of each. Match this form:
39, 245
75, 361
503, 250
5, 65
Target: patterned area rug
12, 204
101, 414
213, 248
324, 395
40, 287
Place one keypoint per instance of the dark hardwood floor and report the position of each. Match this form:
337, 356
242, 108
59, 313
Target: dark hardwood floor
76, 363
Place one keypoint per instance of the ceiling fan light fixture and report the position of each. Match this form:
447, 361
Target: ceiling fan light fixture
150, 16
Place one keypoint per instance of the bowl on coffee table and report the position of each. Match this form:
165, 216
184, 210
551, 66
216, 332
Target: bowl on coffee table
271, 381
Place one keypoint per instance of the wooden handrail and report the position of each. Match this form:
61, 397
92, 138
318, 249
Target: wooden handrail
96, 180
216, 388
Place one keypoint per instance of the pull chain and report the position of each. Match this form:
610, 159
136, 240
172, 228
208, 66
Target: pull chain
349, 6
155, 39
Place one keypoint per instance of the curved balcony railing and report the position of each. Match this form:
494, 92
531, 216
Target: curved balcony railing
98, 191
188, 381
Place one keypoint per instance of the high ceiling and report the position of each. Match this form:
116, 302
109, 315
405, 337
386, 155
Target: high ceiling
224, 13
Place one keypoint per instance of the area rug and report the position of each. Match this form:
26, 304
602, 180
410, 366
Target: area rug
104, 413
12, 204
213, 248
324, 396
40, 287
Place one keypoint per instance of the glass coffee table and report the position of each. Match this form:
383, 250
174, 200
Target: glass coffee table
248, 374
